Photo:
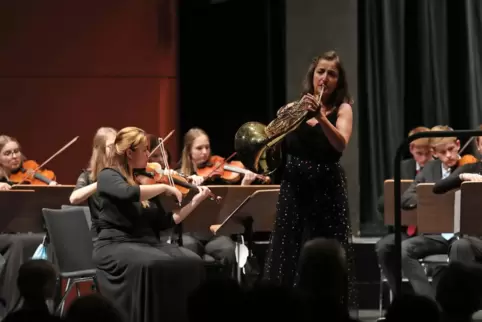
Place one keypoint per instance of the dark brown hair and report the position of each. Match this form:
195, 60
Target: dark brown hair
340, 94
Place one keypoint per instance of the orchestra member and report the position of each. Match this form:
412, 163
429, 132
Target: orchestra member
86, 186
467, 249
195, 155
313, 199
12, 246
421, 154
11, 160
446, 152
148, 279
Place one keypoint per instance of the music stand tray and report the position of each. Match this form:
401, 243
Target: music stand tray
249, 210
255, 213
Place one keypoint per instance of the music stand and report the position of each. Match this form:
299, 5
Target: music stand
255, 213
11, 205
469, 205
435, 212
409, 217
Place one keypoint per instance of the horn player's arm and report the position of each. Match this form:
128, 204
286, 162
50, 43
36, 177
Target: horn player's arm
338, 135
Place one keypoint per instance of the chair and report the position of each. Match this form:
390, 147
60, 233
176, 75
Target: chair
426, 262
86, 211
70, 237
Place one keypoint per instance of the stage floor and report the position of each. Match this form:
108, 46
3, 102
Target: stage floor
373, 315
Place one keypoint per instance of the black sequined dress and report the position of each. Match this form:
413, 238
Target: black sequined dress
313, 202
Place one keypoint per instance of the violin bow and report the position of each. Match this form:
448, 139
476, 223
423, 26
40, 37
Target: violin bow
466, 144
164, 157
50, 159
220, 164
161, 141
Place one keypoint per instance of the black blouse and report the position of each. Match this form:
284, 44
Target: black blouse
311, 143
122, 213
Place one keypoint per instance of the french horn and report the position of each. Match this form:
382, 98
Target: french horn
258, 146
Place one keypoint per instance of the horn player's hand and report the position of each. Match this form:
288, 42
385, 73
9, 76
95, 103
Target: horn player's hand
314, 108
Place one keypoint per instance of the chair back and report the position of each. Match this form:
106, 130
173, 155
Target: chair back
70, 237
86, 210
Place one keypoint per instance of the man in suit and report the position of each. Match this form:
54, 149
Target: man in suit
418, 246
421, 154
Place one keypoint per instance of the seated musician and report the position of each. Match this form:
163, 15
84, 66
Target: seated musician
466, 249
86, 186
149, 280
13, 246
421, 154
446, 150
195, 154
11, 162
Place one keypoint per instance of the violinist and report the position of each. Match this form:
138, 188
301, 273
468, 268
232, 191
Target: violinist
195, 154
409, 168
86, 186
134, 269
446, 152
466, 249
12, 165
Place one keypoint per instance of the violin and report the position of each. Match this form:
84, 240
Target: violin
29, 173
467, 159
229, 171
153, 174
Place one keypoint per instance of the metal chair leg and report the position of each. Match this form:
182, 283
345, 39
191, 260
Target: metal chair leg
67, 289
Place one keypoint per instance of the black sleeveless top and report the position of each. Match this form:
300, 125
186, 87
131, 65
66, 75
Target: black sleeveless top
310, 142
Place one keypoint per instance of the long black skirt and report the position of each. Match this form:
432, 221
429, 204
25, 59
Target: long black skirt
313, 202
149, 282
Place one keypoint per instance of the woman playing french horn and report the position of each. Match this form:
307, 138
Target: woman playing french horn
313, 199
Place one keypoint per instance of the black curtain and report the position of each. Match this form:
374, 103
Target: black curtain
231, 66
419, 64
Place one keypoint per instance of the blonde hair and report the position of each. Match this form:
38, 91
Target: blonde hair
98, 160
422, 142
444, 140
127, 138
4, 140
187, 167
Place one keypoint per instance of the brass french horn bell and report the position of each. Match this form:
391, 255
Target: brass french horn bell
251, 145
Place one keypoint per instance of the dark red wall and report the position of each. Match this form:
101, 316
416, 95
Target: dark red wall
70, 67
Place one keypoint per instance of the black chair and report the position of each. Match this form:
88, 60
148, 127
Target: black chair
86, 211
70, 237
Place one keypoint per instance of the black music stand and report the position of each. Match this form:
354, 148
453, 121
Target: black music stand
255, 213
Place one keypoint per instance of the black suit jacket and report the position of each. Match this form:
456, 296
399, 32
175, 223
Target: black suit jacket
408, 171
431, 173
